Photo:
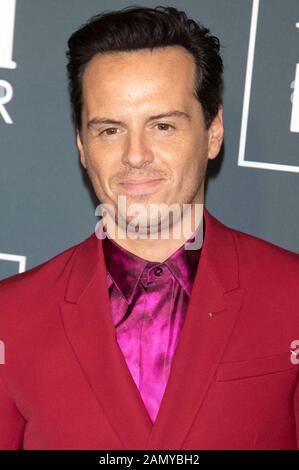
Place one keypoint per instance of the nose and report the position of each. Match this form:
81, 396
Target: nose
137, 152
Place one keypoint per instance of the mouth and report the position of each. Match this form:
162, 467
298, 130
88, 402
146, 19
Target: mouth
141, 186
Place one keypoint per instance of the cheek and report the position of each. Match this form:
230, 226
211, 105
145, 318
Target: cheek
99, 160
197, 156
187, 159
189, 169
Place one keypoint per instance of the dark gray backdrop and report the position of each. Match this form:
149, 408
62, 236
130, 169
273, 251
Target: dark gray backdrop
45, 202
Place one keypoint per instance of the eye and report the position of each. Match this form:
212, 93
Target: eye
164, 127
109, 131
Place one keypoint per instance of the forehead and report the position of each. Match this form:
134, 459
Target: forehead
161, 73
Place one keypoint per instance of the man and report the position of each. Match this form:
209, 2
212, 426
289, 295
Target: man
141, 343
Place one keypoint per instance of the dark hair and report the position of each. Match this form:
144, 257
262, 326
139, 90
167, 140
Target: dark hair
136, 27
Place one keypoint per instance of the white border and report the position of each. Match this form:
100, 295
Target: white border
18, 258
246, 100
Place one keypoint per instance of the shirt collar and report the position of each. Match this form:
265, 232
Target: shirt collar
125, 268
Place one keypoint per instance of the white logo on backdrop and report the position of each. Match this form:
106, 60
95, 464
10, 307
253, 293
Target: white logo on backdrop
294, 126
7, 25
21, 260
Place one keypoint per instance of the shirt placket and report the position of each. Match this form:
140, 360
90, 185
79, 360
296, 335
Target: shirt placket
158, 283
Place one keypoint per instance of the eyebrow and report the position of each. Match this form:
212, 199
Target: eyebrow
103, 120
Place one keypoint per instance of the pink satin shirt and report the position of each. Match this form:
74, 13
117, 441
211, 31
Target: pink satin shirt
149, 302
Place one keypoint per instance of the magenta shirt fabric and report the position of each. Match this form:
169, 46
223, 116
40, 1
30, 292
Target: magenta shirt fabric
149, 302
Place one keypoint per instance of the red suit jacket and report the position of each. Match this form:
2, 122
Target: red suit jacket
65, 383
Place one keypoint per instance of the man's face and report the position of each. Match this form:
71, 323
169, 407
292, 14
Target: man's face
141, 120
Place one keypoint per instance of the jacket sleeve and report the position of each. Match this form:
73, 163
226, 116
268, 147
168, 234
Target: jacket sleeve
12, 423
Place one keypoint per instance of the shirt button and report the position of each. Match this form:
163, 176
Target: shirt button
158, 271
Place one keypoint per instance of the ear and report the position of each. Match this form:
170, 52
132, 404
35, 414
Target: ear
216, 132
80, 148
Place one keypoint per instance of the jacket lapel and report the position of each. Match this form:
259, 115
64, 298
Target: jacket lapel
211, 315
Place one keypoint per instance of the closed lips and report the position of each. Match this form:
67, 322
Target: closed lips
139, 181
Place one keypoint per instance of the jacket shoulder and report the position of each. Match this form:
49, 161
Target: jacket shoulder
252, 246
261, 261
37, 281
